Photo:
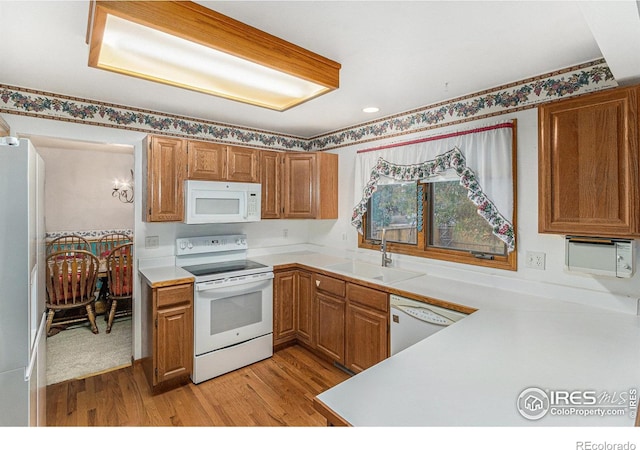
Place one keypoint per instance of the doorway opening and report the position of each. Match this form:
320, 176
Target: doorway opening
83, 197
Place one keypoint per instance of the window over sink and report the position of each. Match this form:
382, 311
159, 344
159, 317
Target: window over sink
440, 208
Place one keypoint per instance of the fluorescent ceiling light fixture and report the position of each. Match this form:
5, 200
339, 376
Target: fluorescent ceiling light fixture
187, 45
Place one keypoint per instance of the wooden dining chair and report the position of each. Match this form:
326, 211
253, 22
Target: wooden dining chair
103, 247
69, 242
120, 279
71, 282
109, 241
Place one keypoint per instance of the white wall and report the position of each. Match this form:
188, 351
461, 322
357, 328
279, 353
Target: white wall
553, 282
78, 189
339, 237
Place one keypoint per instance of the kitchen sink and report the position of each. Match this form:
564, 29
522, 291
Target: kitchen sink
372, 272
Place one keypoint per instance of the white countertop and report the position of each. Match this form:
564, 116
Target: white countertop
163, 275
472, 373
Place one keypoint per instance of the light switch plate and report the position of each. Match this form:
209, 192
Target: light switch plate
151, 242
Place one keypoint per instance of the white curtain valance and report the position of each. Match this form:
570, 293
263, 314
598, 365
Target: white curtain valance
481, 158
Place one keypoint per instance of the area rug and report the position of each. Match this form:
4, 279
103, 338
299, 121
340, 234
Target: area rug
78, 353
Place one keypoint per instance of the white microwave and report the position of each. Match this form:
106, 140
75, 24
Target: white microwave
221, 202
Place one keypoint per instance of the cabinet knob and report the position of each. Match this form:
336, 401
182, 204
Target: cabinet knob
317, 283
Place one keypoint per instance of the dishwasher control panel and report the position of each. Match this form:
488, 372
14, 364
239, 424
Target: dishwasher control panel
424, 314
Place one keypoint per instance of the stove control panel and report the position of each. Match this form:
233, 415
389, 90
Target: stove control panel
211, 244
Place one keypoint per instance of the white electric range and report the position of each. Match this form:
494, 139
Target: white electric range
233, 304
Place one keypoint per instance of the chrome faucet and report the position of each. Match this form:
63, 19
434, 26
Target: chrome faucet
386, 260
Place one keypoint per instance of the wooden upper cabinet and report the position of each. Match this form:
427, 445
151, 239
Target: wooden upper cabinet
243, 164
218, 162
271, 181
165, 162
310, 186
207, 161
588, 165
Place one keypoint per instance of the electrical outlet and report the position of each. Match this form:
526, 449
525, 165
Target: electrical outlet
285, 233
151, 242
535, 260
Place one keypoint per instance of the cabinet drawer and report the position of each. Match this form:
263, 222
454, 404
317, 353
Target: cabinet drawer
367, 297
330, 285
172, 295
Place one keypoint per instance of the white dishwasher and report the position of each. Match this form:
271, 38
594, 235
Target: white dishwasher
412, 321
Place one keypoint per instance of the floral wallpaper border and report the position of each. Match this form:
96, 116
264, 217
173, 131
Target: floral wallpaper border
89, 235
576, 80
525, 94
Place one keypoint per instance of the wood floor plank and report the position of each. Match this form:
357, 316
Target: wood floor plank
278, 391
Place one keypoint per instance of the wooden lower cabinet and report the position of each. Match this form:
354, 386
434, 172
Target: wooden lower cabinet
294, 308
330, 321
167, 346
366, 338
339, 320
284, 300
306, 310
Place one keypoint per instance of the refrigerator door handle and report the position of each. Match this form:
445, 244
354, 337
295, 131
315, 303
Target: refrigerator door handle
33, 357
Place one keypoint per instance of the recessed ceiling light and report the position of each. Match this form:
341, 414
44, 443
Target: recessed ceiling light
370, 109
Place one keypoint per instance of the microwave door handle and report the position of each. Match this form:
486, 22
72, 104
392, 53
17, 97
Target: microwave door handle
246, 206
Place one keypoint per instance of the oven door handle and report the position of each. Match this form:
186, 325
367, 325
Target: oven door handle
235, 288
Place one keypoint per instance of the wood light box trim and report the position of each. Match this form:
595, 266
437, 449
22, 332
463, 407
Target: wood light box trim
195, 23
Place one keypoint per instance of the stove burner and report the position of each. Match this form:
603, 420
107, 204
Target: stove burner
223, 267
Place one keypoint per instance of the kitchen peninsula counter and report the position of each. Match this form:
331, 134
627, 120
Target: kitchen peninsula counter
474, 372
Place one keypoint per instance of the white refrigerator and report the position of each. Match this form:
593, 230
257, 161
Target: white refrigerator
22, 286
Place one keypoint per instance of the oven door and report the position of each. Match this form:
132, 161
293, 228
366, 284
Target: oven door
230, 313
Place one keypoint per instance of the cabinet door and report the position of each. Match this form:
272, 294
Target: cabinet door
270, 178
300, 187
166, 161
284, 294
174, 345
330, 335
366, 338
588, 165
207, 161
306, 313
243, 165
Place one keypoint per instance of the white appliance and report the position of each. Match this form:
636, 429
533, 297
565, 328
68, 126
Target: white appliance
600, 256
413, 321
221, 202
233, 304
22, 286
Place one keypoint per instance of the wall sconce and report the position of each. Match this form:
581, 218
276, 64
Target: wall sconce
184, 44
123, 190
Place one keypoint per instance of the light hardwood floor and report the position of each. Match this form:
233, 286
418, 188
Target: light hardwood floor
278, 391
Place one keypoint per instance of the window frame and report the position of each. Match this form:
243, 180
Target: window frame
422, 248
